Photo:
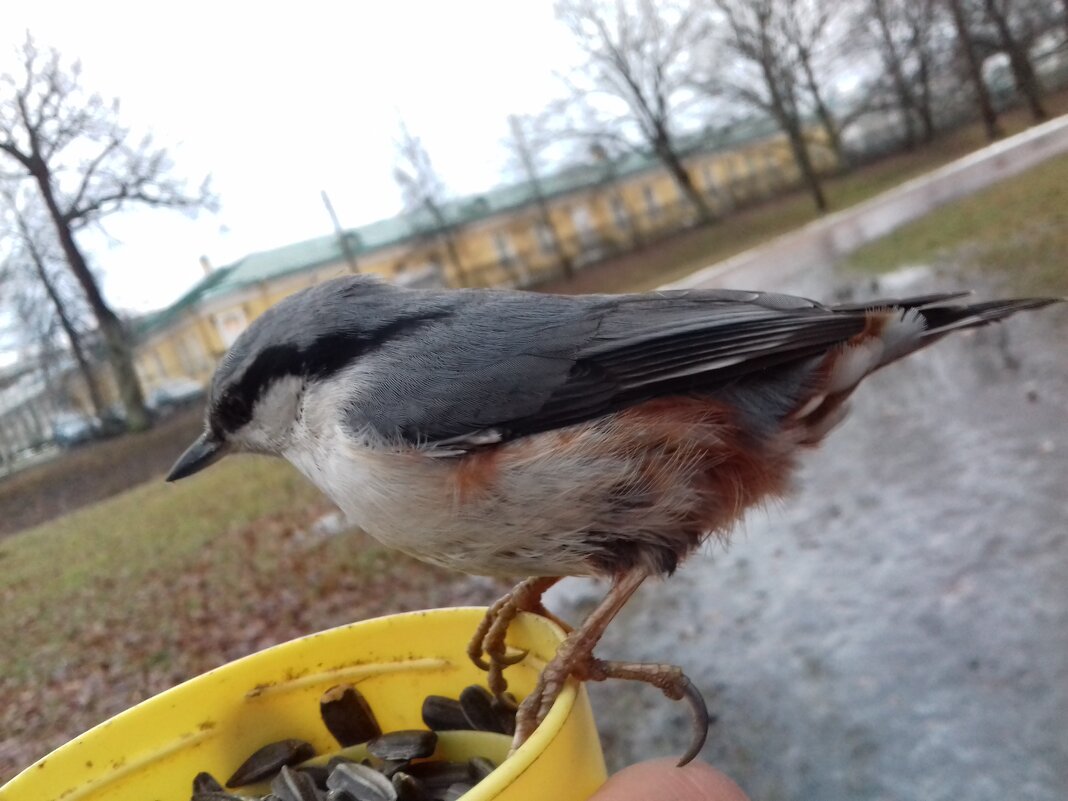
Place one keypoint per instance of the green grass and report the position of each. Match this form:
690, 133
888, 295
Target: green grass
127, 597
155, 526
1016, 231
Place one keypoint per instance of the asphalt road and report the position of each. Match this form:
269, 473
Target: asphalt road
898, 628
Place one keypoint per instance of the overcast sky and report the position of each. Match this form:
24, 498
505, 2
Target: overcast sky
281, 100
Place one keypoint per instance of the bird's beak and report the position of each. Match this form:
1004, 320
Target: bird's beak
206, 451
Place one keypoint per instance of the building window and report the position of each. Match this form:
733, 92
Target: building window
652, 205
583, 222
619, 213
230, 324
505, 249
708, 175
546, 241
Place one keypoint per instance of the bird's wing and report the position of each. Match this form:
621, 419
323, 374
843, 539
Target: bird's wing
504, 365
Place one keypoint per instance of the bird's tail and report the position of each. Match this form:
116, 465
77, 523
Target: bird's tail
922, 320
942, 318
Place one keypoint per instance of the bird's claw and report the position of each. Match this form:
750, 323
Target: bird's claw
675, 684
699, 712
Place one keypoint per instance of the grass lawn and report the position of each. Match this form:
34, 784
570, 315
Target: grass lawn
129, 595
125, 598
1016, 230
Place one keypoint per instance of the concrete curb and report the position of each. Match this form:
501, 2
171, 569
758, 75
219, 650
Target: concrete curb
828, 239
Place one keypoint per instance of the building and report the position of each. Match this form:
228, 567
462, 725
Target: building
495, 239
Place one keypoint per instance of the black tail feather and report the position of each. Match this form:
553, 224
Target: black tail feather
941, 319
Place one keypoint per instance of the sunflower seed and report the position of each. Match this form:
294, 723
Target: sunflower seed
479, 768
477, 704
437, 776
348, 716
206, 783
410, 788
318, 774
387, 767
334, 761
403, 745
505, 706
267, 761
454, 791
292, 785
444, 714
362, 783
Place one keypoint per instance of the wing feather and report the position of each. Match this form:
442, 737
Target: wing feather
515, 363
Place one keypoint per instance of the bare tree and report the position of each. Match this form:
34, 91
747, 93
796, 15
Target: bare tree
922, 21
32, 265
755, 34
526, 144
636, 77
423, 192
86, 166
607, 158
807, 26
1023, 71
974, 66
912, 40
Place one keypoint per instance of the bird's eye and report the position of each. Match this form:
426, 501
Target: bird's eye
232, 411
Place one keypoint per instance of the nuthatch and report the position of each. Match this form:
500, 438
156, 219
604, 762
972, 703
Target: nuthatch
515, 433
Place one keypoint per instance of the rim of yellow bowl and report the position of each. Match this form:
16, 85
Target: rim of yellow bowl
499, 780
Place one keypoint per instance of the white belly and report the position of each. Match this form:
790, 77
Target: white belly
409, 501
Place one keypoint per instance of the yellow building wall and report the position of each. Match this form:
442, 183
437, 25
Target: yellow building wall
587, 222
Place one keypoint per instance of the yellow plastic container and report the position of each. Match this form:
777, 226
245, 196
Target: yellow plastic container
212, 722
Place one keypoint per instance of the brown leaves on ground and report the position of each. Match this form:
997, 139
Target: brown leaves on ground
117, 640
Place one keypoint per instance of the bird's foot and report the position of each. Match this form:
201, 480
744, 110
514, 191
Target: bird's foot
675, 684
488, 649
568, 663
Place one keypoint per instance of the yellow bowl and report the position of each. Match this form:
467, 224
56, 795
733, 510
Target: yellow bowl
214, 721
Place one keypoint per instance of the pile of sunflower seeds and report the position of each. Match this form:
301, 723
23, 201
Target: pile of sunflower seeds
391, 773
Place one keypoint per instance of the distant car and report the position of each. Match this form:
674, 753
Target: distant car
71, 428
174, 395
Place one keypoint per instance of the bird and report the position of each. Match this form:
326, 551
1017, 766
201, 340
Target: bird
513, 433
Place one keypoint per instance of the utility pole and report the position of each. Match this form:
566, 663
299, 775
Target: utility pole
342, 237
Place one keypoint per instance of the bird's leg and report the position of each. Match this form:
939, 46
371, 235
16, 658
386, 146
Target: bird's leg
668, 678
489, 636
574, 657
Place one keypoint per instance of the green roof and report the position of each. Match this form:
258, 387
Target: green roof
311, 253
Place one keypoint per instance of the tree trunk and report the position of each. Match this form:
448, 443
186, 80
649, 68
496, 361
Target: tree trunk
526, 157
924, 105
785, 114
454, 256
1023, 72
975, 72
830, 125
444, 233
804, 163
566, 264
892, 59
670, 159
95, 398
120, 354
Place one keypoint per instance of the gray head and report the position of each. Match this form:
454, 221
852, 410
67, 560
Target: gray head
310, 336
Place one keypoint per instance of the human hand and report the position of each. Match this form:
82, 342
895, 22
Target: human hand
662, 780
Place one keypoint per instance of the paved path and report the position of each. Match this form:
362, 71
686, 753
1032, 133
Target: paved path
898, 629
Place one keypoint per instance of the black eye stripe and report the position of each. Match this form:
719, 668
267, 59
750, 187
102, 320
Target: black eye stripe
327, 355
